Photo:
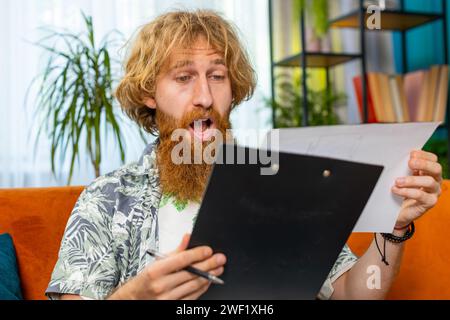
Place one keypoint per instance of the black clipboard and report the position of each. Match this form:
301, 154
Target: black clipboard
281, 233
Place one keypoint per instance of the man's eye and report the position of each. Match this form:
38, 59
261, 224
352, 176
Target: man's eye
183, 78
217, 77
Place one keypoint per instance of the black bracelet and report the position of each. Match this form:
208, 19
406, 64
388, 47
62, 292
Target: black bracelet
395, 239
392, 238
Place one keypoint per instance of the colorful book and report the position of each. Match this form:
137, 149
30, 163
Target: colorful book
414, 97
432, 93
396, 100
371, 116
386, 97
374, 88
404, 102
423, 99
412, 86
442, 95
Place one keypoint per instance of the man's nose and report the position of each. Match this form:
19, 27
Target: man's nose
202, 94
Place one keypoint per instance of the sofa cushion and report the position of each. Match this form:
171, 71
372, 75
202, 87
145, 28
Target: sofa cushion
9, 277
36, 218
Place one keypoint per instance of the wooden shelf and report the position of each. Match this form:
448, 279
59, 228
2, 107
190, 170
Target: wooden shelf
390, 20
318, 59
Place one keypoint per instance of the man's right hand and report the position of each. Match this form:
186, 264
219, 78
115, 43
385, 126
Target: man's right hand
165, 279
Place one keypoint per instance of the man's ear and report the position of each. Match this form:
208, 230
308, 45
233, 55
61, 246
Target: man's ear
150, 102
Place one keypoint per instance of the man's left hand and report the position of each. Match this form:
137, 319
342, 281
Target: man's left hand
421, 190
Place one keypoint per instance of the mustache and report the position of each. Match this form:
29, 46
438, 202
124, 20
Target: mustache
167, 124
194, 115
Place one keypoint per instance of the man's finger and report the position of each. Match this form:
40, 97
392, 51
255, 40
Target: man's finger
197, 294
426, 167
426, 182
427, 199
217, 272
188, 288
212, 265
420, 154
171, 281
179, 261
214, 262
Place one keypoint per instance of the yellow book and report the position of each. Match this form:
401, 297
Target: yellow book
374, 88
403, 99
386, 97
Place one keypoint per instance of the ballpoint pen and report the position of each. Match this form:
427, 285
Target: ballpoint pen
190, 269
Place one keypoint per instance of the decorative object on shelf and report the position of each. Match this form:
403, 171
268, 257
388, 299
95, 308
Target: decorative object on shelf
75, 97
313, 43
317, 22
288, 105
319, 14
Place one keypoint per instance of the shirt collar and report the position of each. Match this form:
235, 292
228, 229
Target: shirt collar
147, 161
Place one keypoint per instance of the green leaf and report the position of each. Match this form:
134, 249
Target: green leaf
76, 94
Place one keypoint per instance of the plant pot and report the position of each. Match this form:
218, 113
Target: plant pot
326, 43
313, 42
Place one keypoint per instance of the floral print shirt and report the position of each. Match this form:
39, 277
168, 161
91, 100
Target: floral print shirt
113, 223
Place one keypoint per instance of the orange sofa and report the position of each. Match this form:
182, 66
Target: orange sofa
36, 219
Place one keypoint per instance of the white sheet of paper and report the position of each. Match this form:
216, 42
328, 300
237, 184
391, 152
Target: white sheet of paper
388, 145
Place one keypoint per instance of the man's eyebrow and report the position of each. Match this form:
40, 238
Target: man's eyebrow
219, 61
184, 63
181, 64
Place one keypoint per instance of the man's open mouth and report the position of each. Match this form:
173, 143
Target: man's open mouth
202, 128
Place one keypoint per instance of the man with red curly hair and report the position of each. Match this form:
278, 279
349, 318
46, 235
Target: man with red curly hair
188, 70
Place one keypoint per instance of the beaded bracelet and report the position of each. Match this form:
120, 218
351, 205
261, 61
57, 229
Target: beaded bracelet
391, 238
395, 239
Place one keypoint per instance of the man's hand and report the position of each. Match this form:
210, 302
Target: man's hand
165, 279
421, 190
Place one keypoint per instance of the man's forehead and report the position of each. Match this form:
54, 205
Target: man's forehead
201, 44
189, 60
195, 49
199, 51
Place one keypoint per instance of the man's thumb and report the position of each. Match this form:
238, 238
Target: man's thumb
183, 244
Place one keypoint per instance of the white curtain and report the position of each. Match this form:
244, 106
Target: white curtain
20, 61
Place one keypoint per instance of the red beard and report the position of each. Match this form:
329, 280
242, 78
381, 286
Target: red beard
187, 181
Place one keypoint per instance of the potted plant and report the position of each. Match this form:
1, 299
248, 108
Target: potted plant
288, 106
75, 97
317, 24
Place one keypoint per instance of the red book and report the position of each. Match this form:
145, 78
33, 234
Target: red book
357, 83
